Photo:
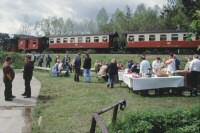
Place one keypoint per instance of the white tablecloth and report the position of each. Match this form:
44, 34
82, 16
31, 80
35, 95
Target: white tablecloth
127, 79
120, 75
152, 83
157, 82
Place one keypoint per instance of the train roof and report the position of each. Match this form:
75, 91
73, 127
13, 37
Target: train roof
163, 31
96, 34
30, 37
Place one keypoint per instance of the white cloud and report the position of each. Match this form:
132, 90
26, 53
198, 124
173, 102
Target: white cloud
14, 13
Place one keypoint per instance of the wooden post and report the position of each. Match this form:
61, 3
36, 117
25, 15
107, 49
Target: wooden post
93, 126
115, 114
97, 120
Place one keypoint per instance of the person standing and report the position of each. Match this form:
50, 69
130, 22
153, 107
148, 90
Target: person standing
65, 62
156, 65
8, 77
177, 62
87, 67
171, 64
77, 67
27, 75
48, 61
194, 69
41, 60
57, 58
145, 66
112, 73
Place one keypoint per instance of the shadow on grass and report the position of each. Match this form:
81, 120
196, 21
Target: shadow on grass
45, 98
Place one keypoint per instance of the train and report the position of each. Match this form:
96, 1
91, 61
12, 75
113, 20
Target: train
134, 42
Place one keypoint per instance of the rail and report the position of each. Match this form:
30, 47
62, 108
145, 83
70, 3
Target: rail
97, 119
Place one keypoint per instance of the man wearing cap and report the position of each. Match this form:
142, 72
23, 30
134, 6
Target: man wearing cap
27, 75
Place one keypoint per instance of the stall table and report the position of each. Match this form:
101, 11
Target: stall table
146, 83
157, 82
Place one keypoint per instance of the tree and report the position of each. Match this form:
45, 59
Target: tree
25, 29
195, 25
128, 17
70, 25
102, 19
173, 15
92, 27
145, 19
190, 7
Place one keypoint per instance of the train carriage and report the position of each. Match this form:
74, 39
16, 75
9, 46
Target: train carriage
89, 41
162, 40
37, 44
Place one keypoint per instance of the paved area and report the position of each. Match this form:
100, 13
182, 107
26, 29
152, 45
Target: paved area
15, 116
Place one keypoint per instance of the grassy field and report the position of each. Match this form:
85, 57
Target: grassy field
67, 107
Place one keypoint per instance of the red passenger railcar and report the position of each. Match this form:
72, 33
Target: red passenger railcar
162, 40
88, 41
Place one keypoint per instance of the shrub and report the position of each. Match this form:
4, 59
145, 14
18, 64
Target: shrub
18, 59
179, 121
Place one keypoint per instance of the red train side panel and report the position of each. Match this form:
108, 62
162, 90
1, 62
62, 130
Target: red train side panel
33, 44
164, 44
80, 45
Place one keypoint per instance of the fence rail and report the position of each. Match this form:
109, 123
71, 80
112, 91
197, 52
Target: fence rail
97, 119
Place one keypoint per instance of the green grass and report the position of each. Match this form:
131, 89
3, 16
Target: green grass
67, 107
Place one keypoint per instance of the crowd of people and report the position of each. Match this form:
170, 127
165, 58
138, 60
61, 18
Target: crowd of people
159, 67
167, 67
105, 70
62, 65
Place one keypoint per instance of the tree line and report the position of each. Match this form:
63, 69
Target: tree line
175, 15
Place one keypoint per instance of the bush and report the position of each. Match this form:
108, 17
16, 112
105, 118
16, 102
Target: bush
178, 121
18, 59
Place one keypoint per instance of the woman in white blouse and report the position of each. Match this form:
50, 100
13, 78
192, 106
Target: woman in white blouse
171, 65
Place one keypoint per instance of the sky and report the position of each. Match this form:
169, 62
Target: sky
14, 13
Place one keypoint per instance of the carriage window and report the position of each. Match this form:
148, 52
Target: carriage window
87, 39
65, 40
80, 39
152, 38
174, 37
131, 38
141, 38
58, 40
72, 40
96, 39
34, 42
197, 37
105, 39
185, 36
51, 41
163, 37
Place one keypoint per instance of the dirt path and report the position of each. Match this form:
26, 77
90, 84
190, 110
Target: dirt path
15, 116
